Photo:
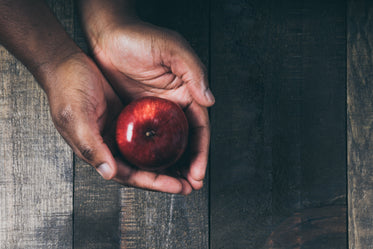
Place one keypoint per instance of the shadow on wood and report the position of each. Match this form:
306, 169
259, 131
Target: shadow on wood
321, 228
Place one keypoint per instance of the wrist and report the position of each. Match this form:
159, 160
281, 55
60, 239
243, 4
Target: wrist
51, 59
39, 41
100, 17
49, 74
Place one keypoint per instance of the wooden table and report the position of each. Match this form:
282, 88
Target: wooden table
291, 163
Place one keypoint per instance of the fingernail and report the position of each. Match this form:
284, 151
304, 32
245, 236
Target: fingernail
104, 170
209, 96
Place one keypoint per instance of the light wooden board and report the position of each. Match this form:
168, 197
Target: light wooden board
35, 163
360, 123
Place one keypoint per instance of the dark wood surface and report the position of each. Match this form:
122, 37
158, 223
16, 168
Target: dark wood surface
360, 116
278, 72
285, 137
240, 197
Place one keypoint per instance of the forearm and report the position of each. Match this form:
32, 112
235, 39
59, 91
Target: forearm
99, 15
29, 30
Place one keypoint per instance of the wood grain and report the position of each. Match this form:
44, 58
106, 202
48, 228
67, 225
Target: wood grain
321, 228
308, 103
158, 220
240, 197
96, 209
278, 139
96, 201
360, 123
36, 164
278, 146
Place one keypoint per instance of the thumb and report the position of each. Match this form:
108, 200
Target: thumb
89, 145
187, 66
93, 150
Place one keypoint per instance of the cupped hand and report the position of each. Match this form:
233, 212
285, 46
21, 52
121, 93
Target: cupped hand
141, 59
84, 109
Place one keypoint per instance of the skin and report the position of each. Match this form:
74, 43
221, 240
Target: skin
137, 58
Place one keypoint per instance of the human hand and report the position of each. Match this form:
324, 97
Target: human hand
82, 103
140, 59
84, 108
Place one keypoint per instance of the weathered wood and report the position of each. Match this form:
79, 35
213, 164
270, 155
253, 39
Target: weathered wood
308, 113
158, 220
35, 163
360, 123
96, 209
278, 141
321, 228
240, 180
278, 144
240, 197
96, 201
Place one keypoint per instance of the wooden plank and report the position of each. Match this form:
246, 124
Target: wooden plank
322, 227
36, 164
360, 117
278, 147
96, 209
158, 220
240, 197
308, 105
96, 201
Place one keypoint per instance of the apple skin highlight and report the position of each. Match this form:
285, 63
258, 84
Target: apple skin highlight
152, 133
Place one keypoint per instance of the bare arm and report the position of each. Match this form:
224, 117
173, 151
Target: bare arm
30, 31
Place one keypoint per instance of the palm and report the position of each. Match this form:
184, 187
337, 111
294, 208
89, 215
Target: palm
88, 105
142, 60
85, 114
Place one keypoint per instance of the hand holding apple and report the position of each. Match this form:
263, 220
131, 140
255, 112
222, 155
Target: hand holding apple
85, 108
141, 59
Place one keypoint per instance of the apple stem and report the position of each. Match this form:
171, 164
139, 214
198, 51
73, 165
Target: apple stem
150, 133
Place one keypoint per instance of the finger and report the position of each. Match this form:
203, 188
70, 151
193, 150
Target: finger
149, 180
86, 141
186, 65
92, 149
198, 145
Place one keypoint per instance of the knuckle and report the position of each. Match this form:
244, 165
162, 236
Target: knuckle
207, 124
176, 35
87, 152
204, 73
198, 185
63, 116
179, 38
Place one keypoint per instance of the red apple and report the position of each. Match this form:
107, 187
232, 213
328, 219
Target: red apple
152, 133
